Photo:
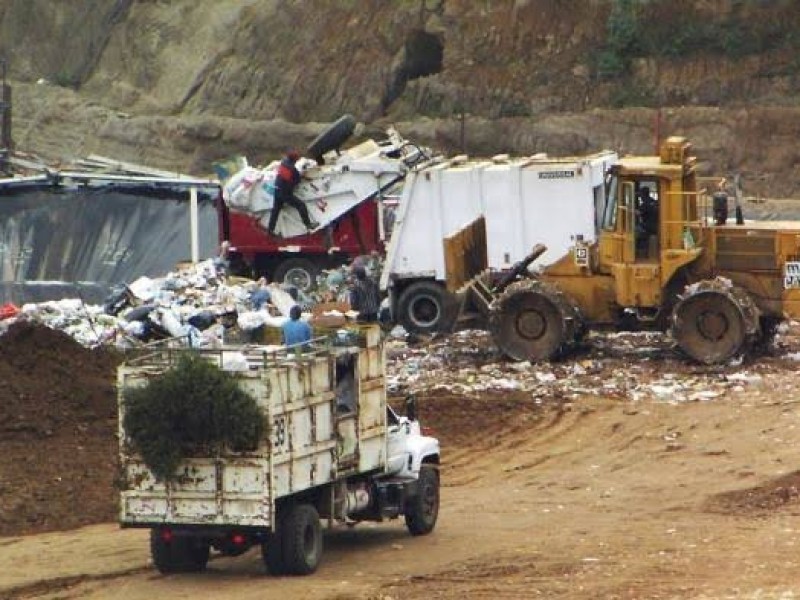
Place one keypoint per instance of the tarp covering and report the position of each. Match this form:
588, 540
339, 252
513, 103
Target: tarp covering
67, 241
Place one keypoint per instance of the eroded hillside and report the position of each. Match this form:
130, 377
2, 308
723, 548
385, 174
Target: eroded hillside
179, 84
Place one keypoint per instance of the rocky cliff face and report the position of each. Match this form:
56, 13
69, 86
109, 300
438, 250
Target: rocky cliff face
180, 83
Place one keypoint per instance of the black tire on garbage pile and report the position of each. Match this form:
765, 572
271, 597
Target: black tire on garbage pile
301, 539
422, 509
533, 320
181, 554
426, 307
332, 138
715, 321
299, 272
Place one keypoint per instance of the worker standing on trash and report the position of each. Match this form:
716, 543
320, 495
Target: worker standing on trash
365, 296
295, 330
286, 180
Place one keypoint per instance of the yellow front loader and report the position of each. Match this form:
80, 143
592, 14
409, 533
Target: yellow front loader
660, 262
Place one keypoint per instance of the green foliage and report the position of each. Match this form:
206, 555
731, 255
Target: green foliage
623, 96
670, 29
66, 79
192, 408
622, 42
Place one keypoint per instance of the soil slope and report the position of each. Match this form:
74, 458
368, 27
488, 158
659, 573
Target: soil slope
177, 85
563, 493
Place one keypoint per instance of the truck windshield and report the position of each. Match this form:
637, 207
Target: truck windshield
610, 213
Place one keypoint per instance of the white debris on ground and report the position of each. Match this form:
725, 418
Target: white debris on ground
206, 309
631, 366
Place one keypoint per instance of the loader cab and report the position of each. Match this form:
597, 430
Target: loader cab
650, 226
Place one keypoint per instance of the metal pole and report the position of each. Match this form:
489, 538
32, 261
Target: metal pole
195, 243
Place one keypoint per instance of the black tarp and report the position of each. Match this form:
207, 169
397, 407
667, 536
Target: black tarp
68, 241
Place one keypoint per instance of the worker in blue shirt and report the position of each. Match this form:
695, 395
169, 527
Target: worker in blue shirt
296, 331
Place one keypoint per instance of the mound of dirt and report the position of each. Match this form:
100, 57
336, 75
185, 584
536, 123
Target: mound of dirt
760, 500
58, 446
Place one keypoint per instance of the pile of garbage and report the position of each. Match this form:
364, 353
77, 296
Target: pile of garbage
196, 303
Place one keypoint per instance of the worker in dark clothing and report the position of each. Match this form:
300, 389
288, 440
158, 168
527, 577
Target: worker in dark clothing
648, 212
365, 296
286, 180
720, 206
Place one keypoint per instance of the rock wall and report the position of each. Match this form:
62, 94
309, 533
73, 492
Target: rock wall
180, 83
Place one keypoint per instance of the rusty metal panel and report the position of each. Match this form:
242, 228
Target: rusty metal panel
307, 443
746, 250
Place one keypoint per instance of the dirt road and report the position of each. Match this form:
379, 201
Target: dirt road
595, 498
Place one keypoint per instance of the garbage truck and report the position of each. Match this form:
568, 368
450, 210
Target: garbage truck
345, 191
333, 450
521, 200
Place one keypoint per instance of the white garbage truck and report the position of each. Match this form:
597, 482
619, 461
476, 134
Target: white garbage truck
523, 201
333, 450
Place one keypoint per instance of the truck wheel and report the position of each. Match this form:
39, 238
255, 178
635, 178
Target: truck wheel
272, 554
425, 307
302, 540
532, 320
332, 138
300, 272
178, 554
714, 322
422, 510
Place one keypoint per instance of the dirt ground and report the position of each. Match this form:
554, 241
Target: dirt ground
576, 487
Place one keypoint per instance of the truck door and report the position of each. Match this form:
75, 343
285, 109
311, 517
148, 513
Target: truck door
397, 447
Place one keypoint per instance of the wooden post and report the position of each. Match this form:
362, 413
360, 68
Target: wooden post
195, 242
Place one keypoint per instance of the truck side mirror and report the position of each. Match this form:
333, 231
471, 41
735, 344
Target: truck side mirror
411, 407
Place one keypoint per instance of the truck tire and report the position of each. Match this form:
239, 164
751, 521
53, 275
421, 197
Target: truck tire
302, 540
422, 510
332, 138
714, 322
178, 555
425, 307
272, 554
300, 272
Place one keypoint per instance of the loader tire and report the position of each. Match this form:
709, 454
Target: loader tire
302, 540
422, 509
332, 138
179, 554
426, 307
715, 321
533, 320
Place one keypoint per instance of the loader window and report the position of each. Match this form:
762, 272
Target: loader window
647, 218
610, 213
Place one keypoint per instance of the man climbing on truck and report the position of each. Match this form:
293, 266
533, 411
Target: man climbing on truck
286, 180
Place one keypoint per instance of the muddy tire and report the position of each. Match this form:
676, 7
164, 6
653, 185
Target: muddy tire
425, 307
714, 322
179, 554
332, 138
302, 540
534, 321
299, 272
422, 510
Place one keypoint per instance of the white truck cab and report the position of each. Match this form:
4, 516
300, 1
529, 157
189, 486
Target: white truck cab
333, 450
